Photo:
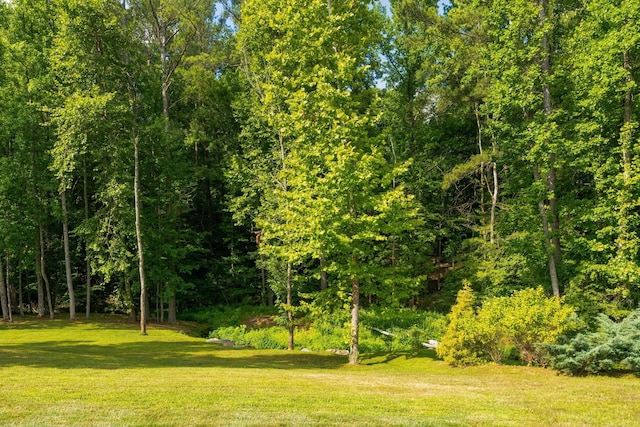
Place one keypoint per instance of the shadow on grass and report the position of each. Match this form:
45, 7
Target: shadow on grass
382, 358
111, 342
153, 354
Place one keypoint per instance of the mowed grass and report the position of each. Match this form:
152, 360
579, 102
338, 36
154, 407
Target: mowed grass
104, 373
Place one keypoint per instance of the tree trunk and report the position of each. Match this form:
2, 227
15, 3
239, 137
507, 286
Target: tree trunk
355, 321
67, 257
9, 290
263, 278
323, 275
44, 274
136, 196
172, 317
86, 243
39, 281
4, 297
290, 345
627, 131
551, 260
159, 305
130, 300
551, 234
20, 301
625, 197
494, 202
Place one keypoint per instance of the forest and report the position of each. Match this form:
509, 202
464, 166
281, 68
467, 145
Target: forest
161, 156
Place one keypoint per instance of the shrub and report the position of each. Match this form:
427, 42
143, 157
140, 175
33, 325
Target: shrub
528, 318
460, 344
520, 321
614, 346
271, 338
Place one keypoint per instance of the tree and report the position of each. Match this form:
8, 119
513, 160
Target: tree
331, 197
603, 56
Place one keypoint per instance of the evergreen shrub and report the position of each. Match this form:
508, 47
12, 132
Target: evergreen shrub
613, 346
461, 343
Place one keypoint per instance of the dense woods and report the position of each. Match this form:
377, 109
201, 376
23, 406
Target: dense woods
159, 156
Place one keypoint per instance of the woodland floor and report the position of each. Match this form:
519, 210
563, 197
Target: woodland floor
104, 373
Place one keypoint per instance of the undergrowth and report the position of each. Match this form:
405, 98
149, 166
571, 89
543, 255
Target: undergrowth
408, 329
211, 318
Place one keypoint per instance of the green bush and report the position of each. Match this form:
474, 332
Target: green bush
528, 318
461, 344
614, 346
275, 337
521, 321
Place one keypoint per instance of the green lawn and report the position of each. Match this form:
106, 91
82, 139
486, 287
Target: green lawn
105, 373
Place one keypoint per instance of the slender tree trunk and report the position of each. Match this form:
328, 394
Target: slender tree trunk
290, 303
270, 297
323, 275
86, 243
625, 197
39, 281
20, 301
494, 202
9, 299
4, 296
263, 278
10, 293
44, 274
551, 234
136, 195
627, 131
551, 260
39, 249
355, 321
172, 314
161, 301
158, 302
67, 256
553, 210
132, 306
166, 77
492, 183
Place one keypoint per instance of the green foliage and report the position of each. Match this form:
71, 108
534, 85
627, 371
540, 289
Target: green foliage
331, 331
271, 338
613, 346
433, 324
521, 321
525, 319
460, 344
211, 318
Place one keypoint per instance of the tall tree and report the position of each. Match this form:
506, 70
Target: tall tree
330, 196
603, 54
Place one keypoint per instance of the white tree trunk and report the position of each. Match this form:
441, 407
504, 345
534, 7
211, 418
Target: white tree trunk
67, 257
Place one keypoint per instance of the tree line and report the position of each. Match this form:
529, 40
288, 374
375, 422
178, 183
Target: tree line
163, 155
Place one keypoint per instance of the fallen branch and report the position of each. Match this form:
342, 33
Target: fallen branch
431, 344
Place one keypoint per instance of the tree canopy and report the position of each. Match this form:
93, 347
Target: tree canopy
331, 153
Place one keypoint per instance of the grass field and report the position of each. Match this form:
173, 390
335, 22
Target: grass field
103, 373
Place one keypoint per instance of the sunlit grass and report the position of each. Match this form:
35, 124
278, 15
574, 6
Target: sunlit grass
105, 373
